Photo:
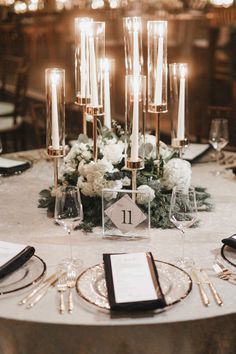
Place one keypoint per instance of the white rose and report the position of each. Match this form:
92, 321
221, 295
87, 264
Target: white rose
176, 172
114, 152
147, 194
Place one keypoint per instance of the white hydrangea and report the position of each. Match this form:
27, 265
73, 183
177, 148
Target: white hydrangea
177, 172
147, 195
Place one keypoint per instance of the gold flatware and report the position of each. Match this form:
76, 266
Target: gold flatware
224, 273
40, 295
71, 280
197, 279
40, 287
61, 288
215, 294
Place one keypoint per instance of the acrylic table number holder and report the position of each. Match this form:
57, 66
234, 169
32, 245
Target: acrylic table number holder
124, 218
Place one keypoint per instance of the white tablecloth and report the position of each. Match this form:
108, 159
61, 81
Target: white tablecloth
188, 327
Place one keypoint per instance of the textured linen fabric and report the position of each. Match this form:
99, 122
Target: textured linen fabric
187, 328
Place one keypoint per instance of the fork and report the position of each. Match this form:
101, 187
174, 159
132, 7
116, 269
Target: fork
71, 280
226, 271
61, 288
223, 273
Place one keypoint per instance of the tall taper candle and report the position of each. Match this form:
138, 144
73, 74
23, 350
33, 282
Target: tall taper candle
107, 99
55, 128
93, 74
135, 122
159, 72
181, 108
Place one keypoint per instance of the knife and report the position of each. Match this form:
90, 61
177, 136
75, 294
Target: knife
211, 286
40, 287
41, 294
198, 281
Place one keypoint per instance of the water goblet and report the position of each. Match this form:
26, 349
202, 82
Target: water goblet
183, 214
68, 214
219, 137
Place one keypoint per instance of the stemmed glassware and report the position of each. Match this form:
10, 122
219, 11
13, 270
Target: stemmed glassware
219, 137
68, 213
183, 214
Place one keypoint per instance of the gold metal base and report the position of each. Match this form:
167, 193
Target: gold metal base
82, 101
177, 143
95, 111
135, 165
157, 108
56, 152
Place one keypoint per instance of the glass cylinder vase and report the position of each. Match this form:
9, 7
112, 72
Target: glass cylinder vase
132, 27
178, 76
82, 29
157, 66
55, 104
135, 110
96, 45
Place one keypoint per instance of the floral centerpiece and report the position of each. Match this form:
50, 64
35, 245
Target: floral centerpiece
108, 171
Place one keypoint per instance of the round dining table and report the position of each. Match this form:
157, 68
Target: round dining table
187, 327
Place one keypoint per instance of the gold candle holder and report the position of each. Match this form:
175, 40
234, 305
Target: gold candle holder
55, 104
157, 77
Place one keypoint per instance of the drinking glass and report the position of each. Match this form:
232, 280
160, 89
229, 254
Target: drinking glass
183, 214
68, 212
219, 137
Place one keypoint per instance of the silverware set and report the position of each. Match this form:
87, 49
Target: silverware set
63, 281
200, 277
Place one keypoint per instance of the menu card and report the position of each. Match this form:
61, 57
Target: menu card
132, 282
9, 166
13, 256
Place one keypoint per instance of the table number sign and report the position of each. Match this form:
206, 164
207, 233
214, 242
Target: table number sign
123, 216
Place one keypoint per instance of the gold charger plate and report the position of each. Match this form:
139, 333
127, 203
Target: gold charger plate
176, 284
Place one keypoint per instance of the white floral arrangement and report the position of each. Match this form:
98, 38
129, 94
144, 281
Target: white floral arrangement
108, 172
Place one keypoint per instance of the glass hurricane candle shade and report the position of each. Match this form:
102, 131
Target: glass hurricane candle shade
55, 104
83, 27
133, 45
135, 109
96, 45
178, 75
157, 66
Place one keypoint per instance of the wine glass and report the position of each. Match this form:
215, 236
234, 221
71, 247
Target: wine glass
68, 213
219, 137
183, 214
